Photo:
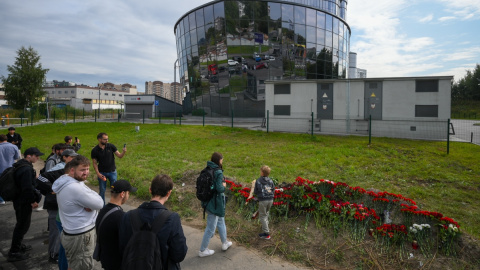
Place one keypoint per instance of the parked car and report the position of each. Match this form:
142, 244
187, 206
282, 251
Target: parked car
261, 65
266, 57
232, 62
221, 69
214, 79
271, 58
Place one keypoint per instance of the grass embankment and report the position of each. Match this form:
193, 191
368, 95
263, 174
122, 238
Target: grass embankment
419, 170
466, 109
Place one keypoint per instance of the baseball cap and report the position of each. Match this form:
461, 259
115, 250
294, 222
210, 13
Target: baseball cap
69, 153
33, 151
122, 185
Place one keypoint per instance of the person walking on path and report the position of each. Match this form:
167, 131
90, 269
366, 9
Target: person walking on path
215, 209
103, 158
24, 203
172, 241
78, 206
108, 224
8, 155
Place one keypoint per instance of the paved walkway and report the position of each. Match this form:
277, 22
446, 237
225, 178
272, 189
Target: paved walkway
236, 257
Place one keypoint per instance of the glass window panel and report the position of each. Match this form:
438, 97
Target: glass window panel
191, 19
340, 28
219, 10
300, 34
199, 17
208, 14
335, 25
328, 39
320, 36
311, 34
311, 17
275, 11
201, 36
193, 37
187, 40
321, 20
299, 15
260, 9
335, 42
287, 13
328, 23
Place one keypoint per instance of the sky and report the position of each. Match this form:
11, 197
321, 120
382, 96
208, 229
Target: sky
119, 41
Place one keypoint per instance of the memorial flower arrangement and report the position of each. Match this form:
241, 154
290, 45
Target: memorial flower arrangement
392, 219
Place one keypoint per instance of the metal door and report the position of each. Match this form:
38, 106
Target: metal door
373, 100
325, 101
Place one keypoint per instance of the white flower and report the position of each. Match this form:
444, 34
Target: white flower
426, 225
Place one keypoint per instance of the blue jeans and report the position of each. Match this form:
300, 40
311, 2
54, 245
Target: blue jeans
62, 257
214, 222
102, 185
2, 200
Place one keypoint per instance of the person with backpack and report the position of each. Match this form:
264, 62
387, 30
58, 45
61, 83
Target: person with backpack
265, 191
23, 204
215, 208
56, 158
8, 155
77, 207
152, 231
108, 224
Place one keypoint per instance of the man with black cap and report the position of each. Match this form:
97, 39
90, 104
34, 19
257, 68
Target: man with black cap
14, 138
27, 200
107, 225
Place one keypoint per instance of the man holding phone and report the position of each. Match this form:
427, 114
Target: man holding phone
103, 159
76, 145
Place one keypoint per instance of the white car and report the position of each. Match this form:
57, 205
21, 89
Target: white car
271, 58
232, 62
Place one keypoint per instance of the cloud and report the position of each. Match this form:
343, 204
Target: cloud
463, 10
427, 18
446, 18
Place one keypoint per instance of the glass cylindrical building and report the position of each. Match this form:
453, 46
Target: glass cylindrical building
227, 49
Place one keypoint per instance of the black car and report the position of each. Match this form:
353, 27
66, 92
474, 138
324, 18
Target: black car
214, 79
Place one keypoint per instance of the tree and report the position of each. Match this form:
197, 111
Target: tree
467, 88
24, 84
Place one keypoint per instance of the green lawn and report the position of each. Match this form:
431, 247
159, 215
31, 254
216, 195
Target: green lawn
420, 170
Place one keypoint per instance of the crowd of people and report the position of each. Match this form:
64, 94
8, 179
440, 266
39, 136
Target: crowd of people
82, 228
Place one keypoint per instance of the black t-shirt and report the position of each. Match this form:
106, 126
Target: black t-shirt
110, 255
105, 157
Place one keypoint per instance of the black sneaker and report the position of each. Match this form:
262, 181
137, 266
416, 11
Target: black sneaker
53, 260
264, 236
17, 256
25, 248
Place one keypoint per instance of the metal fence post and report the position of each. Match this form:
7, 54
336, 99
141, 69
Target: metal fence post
159, 116
118, 115
268, 116
370, 130
74, 112
21, 121
448, 136
54, 115
31, 118
66, 113
83, 113
95, 115
180, 117
232, 118
144, 116
312, 124
203, 117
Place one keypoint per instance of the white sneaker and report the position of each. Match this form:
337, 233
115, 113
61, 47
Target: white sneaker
226, 245
205, 253
38, 209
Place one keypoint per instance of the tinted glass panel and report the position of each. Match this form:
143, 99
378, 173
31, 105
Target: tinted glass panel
426, 86
281, 110
199, 16
299, 15
311, 34
208, 11
426, 110
311, 17
219, 10
328, 23
191, 19
287, 13
281, 89
321, 20
275, 11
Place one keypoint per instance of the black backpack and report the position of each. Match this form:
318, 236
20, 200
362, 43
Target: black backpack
9, 190
143, 250
205, 188
44, 167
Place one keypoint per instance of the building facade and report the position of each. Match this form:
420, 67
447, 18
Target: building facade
171, 91
228, 49
409, 107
